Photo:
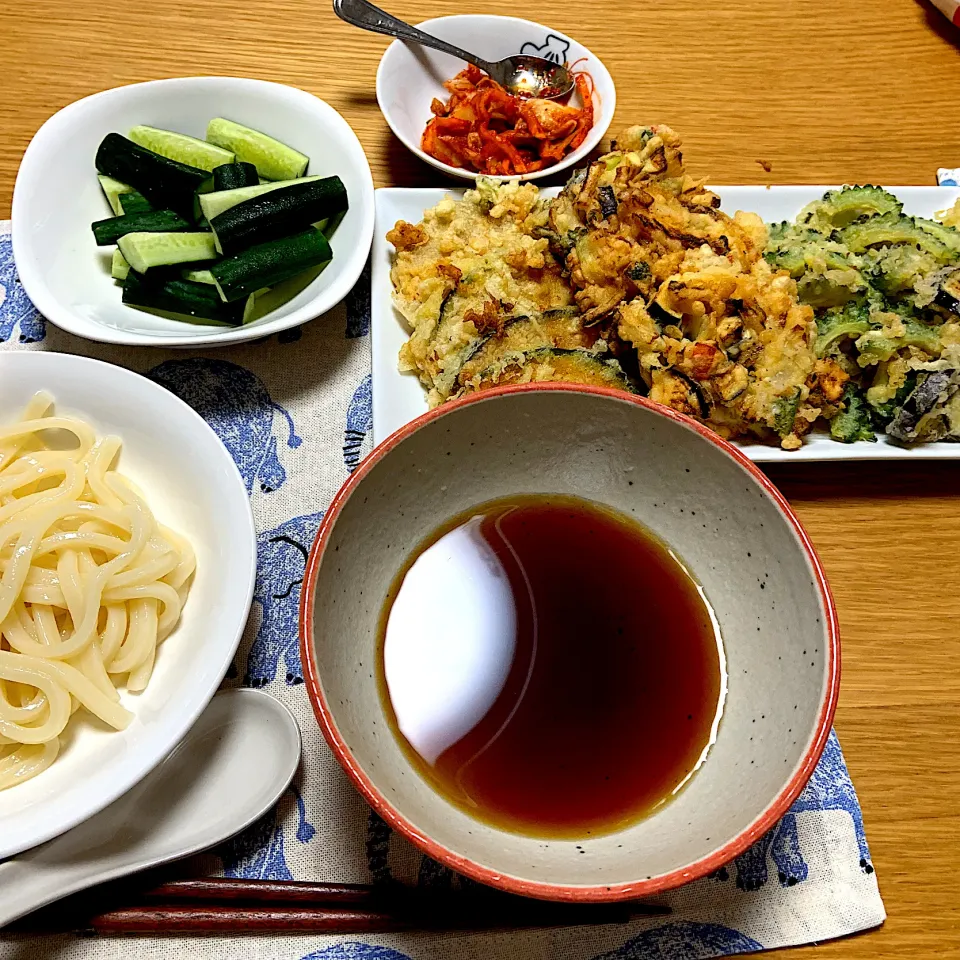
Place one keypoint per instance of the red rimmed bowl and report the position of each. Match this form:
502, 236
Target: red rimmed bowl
707, 501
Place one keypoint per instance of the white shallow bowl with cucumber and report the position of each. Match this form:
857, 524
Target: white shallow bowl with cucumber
222, 255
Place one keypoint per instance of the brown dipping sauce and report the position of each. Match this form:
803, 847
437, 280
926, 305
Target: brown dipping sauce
550, 666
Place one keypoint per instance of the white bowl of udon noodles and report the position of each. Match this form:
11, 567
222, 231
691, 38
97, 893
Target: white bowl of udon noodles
127, 567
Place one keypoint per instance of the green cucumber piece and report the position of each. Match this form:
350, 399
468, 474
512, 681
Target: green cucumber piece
250, 305
329, 228
113, 189
134, 202
265, 301
180, 147
267, 264
198, 216
153, 221
278, 214
167, 184
146, 250
199, 276
194, 302
274, 160
119, 268
232, 176
213, 204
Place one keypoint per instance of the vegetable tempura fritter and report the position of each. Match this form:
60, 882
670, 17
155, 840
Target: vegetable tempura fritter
719, 335
486, 299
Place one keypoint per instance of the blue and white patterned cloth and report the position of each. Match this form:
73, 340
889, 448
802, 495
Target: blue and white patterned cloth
294, 411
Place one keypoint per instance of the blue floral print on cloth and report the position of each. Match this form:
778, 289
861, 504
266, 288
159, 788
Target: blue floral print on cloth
281, 560
234, 401
294, 412
18, 316
356, 951
359, 422
692, 940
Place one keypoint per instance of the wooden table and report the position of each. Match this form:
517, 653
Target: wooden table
824, 93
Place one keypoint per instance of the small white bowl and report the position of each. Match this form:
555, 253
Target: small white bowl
57, 197
193, 486
410, 76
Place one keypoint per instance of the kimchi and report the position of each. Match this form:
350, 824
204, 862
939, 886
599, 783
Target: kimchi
484, 128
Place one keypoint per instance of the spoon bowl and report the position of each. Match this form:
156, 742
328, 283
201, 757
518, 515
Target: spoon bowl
527, 76
201, 795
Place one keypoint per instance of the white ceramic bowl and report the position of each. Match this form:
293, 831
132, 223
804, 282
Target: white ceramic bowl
194, 487
57, 197
410, 76
705, 499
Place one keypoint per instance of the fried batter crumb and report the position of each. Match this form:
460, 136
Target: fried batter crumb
447, 269
490, 319
406, 236
830, 377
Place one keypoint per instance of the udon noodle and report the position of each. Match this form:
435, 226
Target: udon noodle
90, 583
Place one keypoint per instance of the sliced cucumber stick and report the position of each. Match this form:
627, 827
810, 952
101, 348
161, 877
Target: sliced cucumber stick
180, 147
213, 204
267, 264
183, 299
199, 276
112, 189
145, 250
153, 221
265, 301
134, 202
278, 214
274, 160
167, 184
330, 227
233, 176
119, 268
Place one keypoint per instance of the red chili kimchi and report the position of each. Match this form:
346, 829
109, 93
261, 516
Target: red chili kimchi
485, 129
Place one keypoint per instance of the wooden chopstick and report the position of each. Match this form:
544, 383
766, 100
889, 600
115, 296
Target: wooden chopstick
196, 919
262, 891
159, 920
231, 906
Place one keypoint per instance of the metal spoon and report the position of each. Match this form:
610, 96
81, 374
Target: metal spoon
227, 772
521, 75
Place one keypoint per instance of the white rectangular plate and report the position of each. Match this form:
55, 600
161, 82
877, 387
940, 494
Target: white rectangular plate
398, 397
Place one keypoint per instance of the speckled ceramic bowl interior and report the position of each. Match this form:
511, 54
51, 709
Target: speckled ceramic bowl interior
707, 501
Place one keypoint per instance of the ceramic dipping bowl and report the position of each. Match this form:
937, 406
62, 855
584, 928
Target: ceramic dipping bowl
720, 514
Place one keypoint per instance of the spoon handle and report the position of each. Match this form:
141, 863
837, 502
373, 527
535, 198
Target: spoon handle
365, 15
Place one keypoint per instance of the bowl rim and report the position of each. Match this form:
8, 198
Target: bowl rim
49, 305
178, 720
551, 891
596, 134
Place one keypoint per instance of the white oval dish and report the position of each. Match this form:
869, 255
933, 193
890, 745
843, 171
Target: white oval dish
410, 76
193, 486
57, 197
